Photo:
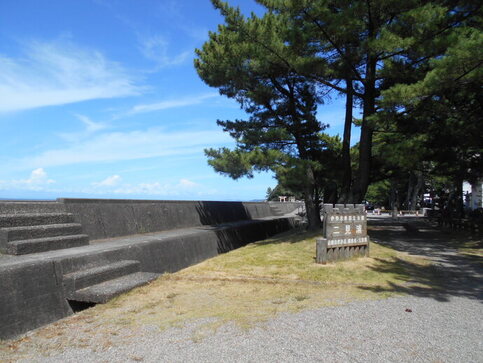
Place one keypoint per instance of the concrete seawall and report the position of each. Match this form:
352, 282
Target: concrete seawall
158, 236
105, 218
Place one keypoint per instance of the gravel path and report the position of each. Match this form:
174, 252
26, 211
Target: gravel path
375, 331
445, 325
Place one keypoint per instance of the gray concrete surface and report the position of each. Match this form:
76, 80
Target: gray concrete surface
106, 218
105, 291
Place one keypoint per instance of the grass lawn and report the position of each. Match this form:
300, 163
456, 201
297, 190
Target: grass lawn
472, 247
256, 282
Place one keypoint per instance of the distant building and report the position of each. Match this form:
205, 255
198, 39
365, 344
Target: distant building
473, 194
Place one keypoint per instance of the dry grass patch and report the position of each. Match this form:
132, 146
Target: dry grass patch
471, 247
256, 282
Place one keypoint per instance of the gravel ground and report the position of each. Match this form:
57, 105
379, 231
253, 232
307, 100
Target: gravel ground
440, 325
375, 331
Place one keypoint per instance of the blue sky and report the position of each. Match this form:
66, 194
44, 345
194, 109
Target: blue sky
100, 99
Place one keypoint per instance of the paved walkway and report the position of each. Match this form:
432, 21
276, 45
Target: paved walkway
458, 275
442, 324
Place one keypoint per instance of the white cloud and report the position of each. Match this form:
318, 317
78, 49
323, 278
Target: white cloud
39, 176
163, 105
182, 187
155, 48
118, 146
109, 181
59, 73
38, 180
185, 183
90, 127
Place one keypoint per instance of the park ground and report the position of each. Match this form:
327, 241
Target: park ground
416, 298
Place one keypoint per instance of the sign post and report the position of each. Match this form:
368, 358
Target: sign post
344, 234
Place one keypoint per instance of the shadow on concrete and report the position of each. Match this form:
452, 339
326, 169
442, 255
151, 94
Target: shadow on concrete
224, 216
452, 274
229, 239
213, 213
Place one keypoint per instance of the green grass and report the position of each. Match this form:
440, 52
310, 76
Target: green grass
291, 257
471, 247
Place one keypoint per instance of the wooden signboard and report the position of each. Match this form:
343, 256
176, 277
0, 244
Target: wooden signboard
344, 234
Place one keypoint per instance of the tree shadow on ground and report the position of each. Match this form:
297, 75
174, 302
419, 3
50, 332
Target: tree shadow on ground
452, 274
232, 238
431, 281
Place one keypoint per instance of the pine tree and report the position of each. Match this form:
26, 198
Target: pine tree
386, 56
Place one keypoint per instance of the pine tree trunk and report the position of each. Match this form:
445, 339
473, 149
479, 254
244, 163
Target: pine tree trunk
416, 190
313, 213
392, 201
330, 193
459, 198
345, 196
365, 145
313, 218
409, 193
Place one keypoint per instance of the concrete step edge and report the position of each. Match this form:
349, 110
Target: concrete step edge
44, 239
10, 234
40, 227
36, 245
34, 219
38, 214
15, 207
95, 275
105, 291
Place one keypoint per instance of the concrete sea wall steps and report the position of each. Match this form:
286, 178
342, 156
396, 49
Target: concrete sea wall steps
48, 230
283, 208
7, 207
276, 210
103, 292
133, 242
94, 275
37, 245
38, 227
33, 219
101, 283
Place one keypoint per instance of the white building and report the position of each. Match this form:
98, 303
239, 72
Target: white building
473, 194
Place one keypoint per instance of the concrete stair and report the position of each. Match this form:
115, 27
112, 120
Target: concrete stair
102, 283
48, 230
95, 275
7, 207
276, 211
37, 227
33, 219
36, 245
103, 292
